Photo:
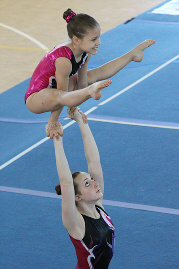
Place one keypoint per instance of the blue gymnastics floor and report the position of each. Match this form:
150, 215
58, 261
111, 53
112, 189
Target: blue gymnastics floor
136, 127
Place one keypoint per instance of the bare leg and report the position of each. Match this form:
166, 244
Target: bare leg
111, 68
52, 99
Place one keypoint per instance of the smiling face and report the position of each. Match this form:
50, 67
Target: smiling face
91, 41
88, 188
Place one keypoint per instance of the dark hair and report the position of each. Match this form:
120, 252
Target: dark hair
74, 175
79, 24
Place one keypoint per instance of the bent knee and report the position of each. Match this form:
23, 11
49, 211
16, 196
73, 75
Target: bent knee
41, 102
34, 105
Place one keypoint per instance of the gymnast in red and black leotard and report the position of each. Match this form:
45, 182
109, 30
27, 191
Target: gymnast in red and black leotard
95, 250
90, 228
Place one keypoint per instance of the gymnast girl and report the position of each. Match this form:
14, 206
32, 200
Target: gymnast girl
62, 79
88, 225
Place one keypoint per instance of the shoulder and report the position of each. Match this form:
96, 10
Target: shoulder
62, 51
100, 206
63, 63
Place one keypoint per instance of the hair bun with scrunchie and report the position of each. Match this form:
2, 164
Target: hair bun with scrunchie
68, 15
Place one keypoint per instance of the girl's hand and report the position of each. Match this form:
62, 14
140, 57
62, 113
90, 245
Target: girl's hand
75, 113
54, 130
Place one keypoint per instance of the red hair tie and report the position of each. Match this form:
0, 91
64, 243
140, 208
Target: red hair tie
68, 18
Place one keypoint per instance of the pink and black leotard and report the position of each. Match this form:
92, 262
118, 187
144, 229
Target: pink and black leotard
96, 249
44, 74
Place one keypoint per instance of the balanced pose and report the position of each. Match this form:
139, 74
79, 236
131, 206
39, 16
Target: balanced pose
88, 225
55, 84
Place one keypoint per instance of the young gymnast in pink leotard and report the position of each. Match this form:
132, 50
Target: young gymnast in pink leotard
62, 79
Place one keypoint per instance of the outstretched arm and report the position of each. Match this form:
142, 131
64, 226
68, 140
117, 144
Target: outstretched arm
90, 147
72, 219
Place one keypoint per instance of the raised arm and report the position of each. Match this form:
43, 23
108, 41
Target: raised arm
72, 220
90, 147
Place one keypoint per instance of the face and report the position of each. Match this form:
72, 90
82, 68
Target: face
91, 40
88, 188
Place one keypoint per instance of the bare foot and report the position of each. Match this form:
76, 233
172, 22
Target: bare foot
138, 50
95, 88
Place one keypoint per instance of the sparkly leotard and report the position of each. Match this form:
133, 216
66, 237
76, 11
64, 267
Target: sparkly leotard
95, 250
44, 74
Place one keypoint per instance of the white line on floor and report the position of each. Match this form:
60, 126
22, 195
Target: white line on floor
105, 202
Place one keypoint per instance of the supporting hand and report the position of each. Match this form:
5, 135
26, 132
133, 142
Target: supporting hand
74, 113
54, 130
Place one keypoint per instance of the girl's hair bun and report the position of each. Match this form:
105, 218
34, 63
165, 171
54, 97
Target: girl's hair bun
78, 24
58, 189
66, 13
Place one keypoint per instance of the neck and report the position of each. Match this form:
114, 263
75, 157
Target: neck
76, 50
88, 210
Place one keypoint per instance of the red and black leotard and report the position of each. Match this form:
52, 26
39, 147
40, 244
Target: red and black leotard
95, 250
